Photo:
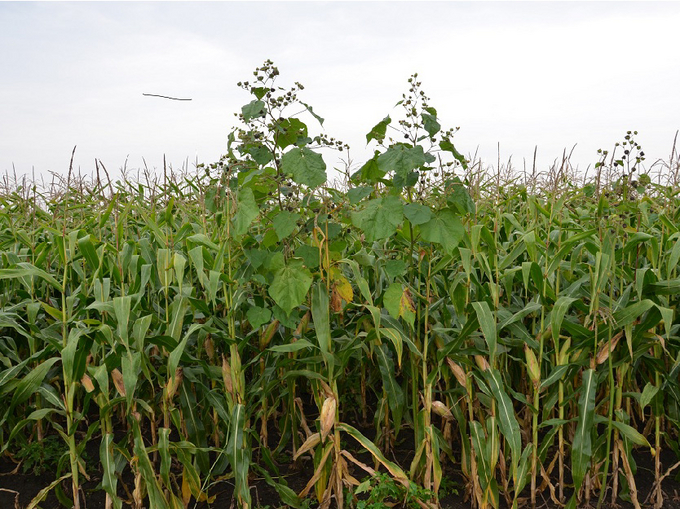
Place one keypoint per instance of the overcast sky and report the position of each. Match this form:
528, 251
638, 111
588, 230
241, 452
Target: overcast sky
515, 73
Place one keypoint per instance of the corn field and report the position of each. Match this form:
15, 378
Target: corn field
210, 328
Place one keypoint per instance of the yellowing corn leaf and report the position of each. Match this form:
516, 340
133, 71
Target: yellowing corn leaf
186, 491
309, 444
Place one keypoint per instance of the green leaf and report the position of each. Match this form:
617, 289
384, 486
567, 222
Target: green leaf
523, 471
647, 395
285, 223
261, 154
30, 383
402, 159
479, 443
396, 472
306, 167
176, 354
458, 197
626, 430
89, 252
555, 375
417, 213
430, 123
356, 194
258, 316
369, 172
42, 494
398, 303
557, 315
109, 479
247, 211
290, 286
444, 228
378, 131
581, 449
395, 268
380, 217
447, 146
309, 254
311, 111
395, 394
25, 269
239, 454
289, 130
298, 345
253, 109
630, 313
506, 413
487, 322
321, 318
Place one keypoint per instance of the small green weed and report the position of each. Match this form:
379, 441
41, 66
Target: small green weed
41, 456
383, 489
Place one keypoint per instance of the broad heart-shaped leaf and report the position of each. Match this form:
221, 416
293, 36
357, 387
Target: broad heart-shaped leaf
288, 131
458, 197
444, 228
399, 303
285, 223
290, 286
378, 131
446, 145
306, 167
369, 172
246, 212
261, 154
417, 213
356, 194
402, 159
380, 217
430, 123
258, 316
252, 110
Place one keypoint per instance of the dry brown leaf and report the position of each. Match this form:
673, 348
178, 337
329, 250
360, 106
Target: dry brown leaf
117, 377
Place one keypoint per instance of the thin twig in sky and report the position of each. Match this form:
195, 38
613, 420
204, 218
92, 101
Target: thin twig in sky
166, 97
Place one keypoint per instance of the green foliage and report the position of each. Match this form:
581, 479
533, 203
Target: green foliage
39, 457
526, 328
384, 491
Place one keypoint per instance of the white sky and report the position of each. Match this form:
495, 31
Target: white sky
515, 73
